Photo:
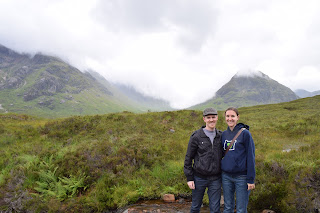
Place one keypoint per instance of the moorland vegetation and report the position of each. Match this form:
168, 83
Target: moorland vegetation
103, 162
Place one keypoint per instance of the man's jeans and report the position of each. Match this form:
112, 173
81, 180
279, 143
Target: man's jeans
214, 194
235, 184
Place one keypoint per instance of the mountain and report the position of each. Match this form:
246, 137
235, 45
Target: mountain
304, 93
152, 103
249, 90
47, 86
131, 95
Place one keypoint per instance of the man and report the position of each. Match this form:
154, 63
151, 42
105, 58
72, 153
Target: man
202, 163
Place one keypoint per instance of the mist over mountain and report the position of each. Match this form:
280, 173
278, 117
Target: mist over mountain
148, 101
249, 89
130, 94
47, 86
304, 93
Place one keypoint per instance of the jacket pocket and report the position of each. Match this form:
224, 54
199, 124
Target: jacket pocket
204, 147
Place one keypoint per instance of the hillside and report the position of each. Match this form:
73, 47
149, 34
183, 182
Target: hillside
242, 90
47, 86
103, 162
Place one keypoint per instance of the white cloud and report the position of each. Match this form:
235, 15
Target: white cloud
249, 73
179, 50
306, 78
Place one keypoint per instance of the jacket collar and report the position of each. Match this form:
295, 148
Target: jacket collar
238, 127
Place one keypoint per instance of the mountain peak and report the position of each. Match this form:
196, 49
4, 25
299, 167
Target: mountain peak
249, 88
250, 73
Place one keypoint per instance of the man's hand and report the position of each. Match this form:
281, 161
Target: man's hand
191, 184
251, 186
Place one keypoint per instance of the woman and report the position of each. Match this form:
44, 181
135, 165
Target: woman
238, 164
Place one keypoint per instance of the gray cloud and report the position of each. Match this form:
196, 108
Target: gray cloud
193, 22
138, 16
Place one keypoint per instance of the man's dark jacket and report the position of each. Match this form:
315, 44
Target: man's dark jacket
203, 158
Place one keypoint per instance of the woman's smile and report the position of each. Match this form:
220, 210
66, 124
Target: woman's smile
231, 118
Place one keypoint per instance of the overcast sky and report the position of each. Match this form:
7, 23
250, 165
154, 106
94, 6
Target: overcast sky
179, 50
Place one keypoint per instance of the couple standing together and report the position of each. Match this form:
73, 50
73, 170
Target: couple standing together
216, 158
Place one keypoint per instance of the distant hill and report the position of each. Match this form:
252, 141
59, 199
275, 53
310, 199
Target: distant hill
150, 102
249, 90
47, 86
132, 95
304, 93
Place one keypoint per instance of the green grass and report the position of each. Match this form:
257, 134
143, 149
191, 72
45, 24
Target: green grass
102, 162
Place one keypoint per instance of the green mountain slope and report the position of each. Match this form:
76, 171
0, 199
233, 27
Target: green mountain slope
103, 162
251, 90
46, 86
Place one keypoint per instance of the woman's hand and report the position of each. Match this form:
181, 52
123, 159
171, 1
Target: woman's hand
251, 186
